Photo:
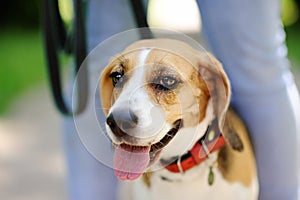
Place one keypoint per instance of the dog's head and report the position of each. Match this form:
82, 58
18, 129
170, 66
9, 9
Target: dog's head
156, 95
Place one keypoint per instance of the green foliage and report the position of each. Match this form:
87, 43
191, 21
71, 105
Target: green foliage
293, 43
20, 13
66, 10
21, 63
290, 12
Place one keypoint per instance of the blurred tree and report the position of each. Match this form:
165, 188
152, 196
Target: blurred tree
290, 12
20, 13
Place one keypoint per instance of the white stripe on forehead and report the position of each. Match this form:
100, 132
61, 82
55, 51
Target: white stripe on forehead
137, 80
143, 56
133, 92
134, 97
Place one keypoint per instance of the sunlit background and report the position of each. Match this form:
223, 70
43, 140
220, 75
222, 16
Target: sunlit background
31, 155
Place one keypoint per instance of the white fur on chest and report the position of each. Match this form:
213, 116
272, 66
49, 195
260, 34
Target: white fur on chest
191, 188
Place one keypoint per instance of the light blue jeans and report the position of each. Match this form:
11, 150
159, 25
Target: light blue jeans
248, 38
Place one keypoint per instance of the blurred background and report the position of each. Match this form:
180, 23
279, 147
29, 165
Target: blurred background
31, 154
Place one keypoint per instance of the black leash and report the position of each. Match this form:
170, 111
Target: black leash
57, 40
140, 15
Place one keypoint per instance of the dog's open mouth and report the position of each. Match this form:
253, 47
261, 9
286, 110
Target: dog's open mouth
130, 161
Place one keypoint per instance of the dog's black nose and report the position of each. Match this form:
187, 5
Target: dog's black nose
121, 122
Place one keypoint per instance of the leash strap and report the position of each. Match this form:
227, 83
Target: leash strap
141, 19
56, 41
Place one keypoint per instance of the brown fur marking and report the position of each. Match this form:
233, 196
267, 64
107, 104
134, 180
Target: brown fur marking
146, 178
234, 165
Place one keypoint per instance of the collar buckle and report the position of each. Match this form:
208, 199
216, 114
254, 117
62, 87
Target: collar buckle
179, 165
205, 148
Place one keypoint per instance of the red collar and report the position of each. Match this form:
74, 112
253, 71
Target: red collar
210, 142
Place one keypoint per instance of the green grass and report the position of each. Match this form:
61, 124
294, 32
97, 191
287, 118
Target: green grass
21, 63
293, 43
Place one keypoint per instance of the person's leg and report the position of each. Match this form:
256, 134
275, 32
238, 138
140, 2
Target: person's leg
88, 178
106, 18
248, 38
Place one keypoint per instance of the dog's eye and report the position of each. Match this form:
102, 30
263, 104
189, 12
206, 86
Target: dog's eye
117, 78
165, 83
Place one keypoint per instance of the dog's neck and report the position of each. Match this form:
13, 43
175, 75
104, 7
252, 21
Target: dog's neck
186, 139
207, 144
188, 136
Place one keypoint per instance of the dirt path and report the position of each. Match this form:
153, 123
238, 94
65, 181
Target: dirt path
31, 155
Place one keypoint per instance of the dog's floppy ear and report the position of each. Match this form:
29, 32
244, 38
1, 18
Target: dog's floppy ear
217, 82
231, 133
106, 89
211, 71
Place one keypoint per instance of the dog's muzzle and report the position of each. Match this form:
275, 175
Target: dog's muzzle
130, 158
121, 122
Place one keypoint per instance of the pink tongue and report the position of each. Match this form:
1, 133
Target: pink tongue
130, 161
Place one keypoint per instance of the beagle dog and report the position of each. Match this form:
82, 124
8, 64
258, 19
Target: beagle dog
173, 132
